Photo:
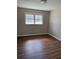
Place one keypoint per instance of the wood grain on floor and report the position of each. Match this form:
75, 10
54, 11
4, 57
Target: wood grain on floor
38, 47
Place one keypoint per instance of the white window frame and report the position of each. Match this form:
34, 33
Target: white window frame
33, 19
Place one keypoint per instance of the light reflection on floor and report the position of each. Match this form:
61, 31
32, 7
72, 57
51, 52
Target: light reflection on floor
33, 46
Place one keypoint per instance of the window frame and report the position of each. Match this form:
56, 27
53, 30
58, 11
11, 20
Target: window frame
34, 15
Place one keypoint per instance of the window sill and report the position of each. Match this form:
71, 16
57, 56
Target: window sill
33, 24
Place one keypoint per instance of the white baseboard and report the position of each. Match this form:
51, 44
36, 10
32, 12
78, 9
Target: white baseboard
40, 34
55, 37
32, 34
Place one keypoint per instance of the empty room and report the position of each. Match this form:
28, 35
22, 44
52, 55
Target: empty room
38, 29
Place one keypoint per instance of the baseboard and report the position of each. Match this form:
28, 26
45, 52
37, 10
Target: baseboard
40, 34
55, 37
32, 34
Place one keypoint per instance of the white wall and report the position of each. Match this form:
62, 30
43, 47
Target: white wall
55, 22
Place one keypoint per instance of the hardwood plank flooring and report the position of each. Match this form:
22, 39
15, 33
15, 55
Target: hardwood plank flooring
38, 47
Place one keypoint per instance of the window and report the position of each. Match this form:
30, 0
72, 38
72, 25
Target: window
33, 19
38, 19
29, 19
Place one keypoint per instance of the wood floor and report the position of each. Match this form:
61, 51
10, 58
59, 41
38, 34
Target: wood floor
38, 47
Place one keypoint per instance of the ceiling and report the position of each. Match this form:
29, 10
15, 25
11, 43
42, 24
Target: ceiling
36, 4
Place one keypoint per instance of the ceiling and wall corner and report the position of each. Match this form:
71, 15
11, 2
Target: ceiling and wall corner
36, 4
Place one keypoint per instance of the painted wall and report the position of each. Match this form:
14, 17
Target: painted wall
23, 29
55, 22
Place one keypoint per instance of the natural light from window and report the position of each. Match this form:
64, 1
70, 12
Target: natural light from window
33, 19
